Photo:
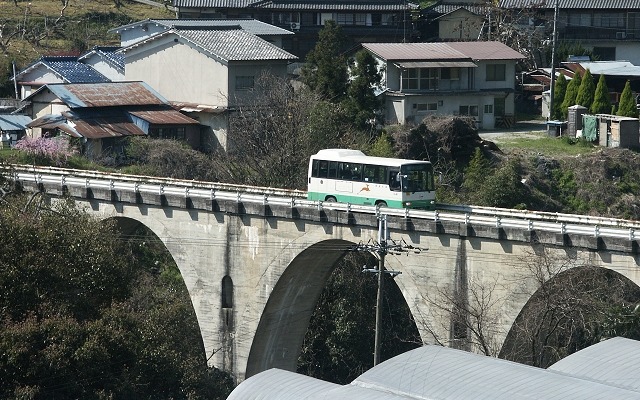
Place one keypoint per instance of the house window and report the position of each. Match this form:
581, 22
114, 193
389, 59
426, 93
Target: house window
244, 82
579, 19
452, 74
345, 19
469, 110
609, 20
496, 72
360, 19
173, 132
420, 79
427, 107
488, 108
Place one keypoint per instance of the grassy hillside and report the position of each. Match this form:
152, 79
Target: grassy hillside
29, 30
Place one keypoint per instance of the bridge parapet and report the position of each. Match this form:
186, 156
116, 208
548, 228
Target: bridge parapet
566, 230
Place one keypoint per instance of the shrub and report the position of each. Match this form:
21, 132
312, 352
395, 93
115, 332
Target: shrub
45, 151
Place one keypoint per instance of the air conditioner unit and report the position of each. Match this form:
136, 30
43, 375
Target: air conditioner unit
621, 35
295, 26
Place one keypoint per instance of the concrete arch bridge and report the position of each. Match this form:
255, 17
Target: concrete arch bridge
255, 260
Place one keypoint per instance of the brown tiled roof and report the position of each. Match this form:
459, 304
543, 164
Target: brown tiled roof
443, 51
486, 50
414, 51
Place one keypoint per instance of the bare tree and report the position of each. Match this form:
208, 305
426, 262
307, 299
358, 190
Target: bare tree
273, 132
569, 300
472, 311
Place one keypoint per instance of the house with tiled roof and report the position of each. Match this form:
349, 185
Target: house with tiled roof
102, 115
55, 69
106, 60
206, 71
141, 30
361, 20
476, 79
455, 20
610, 29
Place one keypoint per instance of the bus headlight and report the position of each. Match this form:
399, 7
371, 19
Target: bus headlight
406, 204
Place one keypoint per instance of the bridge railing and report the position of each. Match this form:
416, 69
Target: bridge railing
485, 216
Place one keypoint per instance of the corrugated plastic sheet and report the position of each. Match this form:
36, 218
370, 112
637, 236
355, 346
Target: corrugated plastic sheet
440, 373
614, 362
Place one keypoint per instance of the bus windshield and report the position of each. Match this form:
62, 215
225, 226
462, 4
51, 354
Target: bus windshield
417, 177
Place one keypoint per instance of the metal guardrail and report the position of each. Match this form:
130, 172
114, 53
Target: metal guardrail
485, 216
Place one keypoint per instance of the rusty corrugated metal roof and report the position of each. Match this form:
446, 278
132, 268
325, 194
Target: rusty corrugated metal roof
164, 117
106, 94
99, 128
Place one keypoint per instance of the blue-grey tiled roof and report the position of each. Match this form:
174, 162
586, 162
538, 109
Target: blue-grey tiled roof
248, 24
73, 71
574, 4
68, 68
446, 8
232, 44
109, 53
317, 5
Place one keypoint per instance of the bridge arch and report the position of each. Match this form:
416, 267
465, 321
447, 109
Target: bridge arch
562, 312
286, 316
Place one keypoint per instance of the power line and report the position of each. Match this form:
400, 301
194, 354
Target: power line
380, 249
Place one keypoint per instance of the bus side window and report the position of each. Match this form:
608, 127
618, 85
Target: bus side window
381, 173
356, 172
369, 172
314, 169
323, 169
343, 171
333, 169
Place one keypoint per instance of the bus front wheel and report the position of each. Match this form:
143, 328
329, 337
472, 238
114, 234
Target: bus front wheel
330, 199
381, 203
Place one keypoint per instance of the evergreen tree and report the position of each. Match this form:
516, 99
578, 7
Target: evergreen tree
627, 106
559, 90
325, 70
601, 100
475, 174
571, 93
586, 90
362, 103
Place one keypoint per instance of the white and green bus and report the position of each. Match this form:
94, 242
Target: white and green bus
349, 176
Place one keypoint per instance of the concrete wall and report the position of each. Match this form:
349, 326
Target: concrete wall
187, 75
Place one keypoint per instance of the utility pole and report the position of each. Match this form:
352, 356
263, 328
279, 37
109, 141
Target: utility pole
553, 61
380, 249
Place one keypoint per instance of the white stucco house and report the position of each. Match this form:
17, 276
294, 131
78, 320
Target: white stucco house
453, 78
204, 71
